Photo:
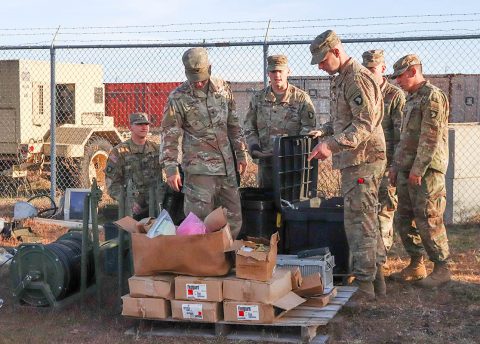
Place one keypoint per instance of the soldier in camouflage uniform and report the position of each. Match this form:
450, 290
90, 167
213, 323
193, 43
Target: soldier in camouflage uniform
200, 129
356, 140
280, 109
418, 169
134, 163
394, 102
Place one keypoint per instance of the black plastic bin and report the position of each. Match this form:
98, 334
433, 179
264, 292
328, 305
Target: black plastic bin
308, 221
314, 227
258, 212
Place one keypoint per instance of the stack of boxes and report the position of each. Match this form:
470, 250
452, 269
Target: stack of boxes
257, 293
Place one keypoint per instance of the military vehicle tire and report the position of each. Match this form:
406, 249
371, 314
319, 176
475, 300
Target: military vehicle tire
78, 173
94, 162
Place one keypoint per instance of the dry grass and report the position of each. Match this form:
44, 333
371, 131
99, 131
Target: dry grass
450, 314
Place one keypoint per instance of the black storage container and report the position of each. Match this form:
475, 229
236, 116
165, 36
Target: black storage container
258, 212
308, 221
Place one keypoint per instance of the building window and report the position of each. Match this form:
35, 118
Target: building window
98, 97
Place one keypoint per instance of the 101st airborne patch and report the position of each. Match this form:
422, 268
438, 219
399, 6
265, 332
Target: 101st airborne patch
358, 100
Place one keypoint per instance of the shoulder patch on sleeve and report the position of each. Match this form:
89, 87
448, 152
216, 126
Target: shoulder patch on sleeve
311, 115
358, 100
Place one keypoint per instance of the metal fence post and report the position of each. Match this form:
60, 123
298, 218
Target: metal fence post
265, 72
53, 121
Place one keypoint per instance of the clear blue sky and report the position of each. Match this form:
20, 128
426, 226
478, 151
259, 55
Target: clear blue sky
82, 15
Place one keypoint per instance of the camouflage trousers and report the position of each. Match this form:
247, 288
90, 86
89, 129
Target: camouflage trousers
205, 193
419, 218
360, 191
387, 197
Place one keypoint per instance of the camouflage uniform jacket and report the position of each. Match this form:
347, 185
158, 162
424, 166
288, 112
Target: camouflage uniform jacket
356, 118
129, 161
424, 139
394, 102
267, 118
205, 125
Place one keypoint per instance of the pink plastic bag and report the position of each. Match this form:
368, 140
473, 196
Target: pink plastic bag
191, 225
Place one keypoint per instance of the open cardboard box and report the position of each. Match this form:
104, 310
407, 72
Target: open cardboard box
195, 255
260, 313
256, 265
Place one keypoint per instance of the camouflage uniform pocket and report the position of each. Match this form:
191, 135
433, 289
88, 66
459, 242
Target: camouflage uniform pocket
360, 195
195, 193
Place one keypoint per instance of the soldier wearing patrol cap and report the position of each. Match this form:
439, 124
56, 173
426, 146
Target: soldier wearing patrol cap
280, 109
394, 102
355, 138
135, 162
418, 170
200, 129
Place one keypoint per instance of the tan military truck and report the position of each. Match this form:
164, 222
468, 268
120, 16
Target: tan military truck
84, 135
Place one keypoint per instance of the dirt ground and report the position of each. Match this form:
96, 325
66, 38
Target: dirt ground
450, 314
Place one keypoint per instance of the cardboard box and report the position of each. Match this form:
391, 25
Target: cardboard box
238, 289
197, 310
321, 300
257, 265
199, 288
195, 255
297, 278
311, 285
152, 286
257, 312
144, 307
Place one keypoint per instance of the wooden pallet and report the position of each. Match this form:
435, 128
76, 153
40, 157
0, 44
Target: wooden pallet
300, 325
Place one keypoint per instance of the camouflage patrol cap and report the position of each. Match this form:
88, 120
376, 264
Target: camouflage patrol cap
322, 44
403, 63
277, 62
197, 66
373, 58
139, 118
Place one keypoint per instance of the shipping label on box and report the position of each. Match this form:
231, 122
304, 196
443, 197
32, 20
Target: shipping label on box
196, 291
192, 311
248, 312
199, 288
203, 311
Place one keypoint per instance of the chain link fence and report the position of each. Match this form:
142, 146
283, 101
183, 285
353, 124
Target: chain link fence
92, 90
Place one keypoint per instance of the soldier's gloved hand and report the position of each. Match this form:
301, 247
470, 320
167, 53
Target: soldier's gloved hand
317, 133
175, 182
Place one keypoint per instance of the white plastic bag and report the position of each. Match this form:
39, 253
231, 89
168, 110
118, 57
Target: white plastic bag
163, 225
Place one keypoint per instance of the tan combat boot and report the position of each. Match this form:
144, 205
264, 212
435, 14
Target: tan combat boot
440, 275
413, 272
365, 291
362, 297
379, 283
